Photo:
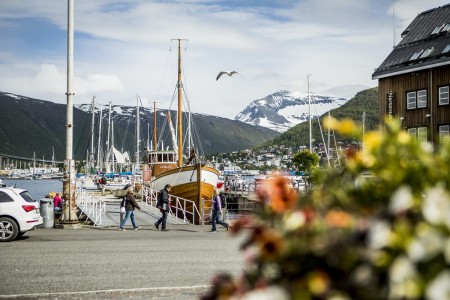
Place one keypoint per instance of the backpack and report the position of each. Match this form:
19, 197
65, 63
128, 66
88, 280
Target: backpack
223, 200
123, 203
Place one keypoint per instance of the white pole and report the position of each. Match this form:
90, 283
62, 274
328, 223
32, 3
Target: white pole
309, 113
99, 148
137, 137
91, 157
70, 205
107, 141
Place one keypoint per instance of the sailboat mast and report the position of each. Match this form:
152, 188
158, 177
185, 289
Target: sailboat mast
137, 135
309, 114
91, 157
180, 127
154, 126
99, 138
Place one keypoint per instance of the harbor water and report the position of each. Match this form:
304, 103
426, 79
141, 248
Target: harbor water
37, 189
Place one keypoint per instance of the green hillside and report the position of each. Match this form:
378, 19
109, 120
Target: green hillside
364, 101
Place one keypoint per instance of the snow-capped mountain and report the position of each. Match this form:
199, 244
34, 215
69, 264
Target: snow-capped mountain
283, 109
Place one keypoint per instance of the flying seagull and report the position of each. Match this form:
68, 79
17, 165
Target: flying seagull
228, 73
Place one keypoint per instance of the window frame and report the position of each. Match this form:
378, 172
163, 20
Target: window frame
417, 99
440, 93
419, 132
442, 133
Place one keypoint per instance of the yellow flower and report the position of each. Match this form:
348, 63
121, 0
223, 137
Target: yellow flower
318, 282
372, 140
347, 127
331, 123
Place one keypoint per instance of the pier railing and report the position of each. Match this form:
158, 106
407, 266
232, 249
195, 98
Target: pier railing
182, 208
94, 208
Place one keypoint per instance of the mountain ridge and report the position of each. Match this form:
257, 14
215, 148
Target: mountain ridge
283, 110
29, 126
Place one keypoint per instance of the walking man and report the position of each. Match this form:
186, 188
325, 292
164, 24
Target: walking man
163, 205
216, 212
129, 202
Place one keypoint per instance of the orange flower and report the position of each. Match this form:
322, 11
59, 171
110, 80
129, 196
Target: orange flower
270, 245
282, 197
241, 223
337, 218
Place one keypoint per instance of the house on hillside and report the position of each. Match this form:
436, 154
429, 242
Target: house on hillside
414, 80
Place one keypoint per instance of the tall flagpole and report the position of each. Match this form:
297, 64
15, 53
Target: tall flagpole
70, 206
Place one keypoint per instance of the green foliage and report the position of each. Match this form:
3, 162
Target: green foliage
378, 228
305, 160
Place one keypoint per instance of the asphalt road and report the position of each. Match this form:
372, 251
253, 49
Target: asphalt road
73, 261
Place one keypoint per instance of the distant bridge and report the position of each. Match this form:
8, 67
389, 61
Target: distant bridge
7, 159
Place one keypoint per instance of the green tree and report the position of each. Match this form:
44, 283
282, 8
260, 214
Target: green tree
305, 161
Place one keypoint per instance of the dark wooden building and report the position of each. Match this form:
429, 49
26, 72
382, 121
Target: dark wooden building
414, 80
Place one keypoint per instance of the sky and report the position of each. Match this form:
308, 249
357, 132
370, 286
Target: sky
123, 49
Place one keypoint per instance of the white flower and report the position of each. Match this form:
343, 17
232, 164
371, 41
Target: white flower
403, 279
401, 199
436, 206
439, 287
427, 244
295, 220
269, 293
379, 234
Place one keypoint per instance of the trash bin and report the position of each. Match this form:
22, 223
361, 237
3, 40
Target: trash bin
47, 213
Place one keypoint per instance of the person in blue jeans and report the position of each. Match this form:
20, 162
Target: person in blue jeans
216, 212
129, 202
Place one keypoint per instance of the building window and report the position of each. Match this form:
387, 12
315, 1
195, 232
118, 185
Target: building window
416, 54
444, 132
437, 29
420, 133
446, 49
427, 52
446, 27
443, 95
411, 99
416, 99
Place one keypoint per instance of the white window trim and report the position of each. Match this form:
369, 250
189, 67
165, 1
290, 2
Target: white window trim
446, 49
444, 100
409, 103
427, 52
444, 131
416, 54
421, 103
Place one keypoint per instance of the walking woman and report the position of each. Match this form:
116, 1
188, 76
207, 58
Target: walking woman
129, 202
216, 212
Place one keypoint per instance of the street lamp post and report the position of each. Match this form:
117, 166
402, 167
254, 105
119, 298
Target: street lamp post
70, 206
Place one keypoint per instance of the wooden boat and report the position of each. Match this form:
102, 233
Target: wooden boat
192, 180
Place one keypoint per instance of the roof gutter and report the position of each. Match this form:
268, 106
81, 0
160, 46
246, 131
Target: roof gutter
411, 70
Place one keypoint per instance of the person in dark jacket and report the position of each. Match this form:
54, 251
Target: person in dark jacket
163, 205
216, 211
129, 202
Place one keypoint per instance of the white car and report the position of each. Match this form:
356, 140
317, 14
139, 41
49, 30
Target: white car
19, 213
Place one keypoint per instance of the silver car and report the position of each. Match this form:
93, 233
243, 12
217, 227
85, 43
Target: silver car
19, 213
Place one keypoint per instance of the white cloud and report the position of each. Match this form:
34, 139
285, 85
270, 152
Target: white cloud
121, 49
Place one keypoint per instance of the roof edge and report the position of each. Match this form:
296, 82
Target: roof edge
421, 68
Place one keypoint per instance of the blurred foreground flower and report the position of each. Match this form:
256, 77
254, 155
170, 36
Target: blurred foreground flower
376, 228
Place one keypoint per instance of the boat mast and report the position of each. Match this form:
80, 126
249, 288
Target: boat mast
154, 126
309, 113
107, 141
179, 116
91, 157
137, 136
99, 138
